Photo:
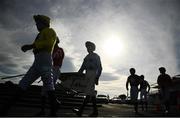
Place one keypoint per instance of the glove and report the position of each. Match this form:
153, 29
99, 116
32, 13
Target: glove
24, 48
97, 81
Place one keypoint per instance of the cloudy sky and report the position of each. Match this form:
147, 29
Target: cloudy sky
143, 34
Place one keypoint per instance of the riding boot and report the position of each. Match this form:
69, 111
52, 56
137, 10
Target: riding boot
80, 110
167, 106
142, 103
43, 104
53, 103
136, 107
146, 103
95, 109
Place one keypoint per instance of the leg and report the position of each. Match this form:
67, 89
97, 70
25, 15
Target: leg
95, 109
145, 101
43, 103
141, 98
146, 105
44, 96
80, 110
48, 86
134, 96
86, 100
56, 74
53, 103
136, 106
142, 102
167, 103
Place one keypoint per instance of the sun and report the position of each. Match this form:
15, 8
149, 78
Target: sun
113, 46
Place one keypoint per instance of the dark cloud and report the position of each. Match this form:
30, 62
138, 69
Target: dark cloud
7, 70
3, 58
18, 14
23, 37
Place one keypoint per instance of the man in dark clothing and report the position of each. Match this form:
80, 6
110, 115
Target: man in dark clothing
92, 66
134, 81
42, 48
57, 57
164, 82
144, 85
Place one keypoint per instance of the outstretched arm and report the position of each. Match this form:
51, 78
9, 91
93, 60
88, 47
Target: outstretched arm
127, 82
99, 71
25, 48
148, 87
82, 68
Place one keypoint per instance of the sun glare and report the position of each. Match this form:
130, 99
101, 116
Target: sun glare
113, 46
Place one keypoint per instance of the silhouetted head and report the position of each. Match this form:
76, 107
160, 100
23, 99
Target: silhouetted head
162, 70
142, 77
132, 71
42, 21
90, 46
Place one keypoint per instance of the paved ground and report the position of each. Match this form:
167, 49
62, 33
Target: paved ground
106, 110
29, 105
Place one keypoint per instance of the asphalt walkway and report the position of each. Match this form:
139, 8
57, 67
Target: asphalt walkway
106, 110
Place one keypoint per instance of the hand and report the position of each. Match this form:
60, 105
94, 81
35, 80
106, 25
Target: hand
24, 48
97, 81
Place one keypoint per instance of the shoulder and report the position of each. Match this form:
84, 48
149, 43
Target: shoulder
130, 76
160, 76
86, 57
48, 31
146, 81
58, 49
96, 55
61, 49
167, 75
137, 76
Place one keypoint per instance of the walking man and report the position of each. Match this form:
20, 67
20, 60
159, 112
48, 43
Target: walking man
164, 82
134, 81
57, 56
144, 90
93, 68
42, 66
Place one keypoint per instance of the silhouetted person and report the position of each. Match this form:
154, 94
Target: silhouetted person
42, 66
134, 81
144, 90
93, 68
164, 82
57, 56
